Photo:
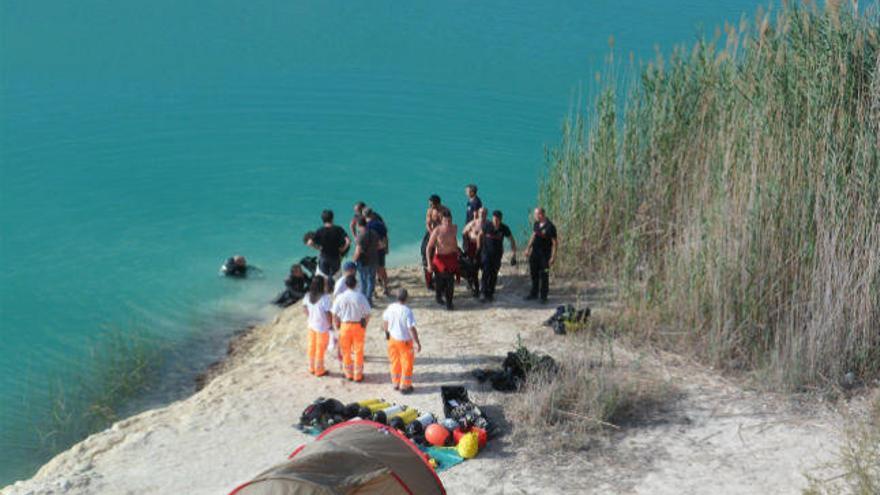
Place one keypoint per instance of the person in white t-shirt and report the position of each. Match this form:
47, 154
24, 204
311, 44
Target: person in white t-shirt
351, 313
349, 268
317, 308
399, 324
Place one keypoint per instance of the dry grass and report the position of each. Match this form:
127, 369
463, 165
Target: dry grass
735, 195
858, 460
593, 392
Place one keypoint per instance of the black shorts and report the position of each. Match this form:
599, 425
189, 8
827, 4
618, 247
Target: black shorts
329, 266
381, 254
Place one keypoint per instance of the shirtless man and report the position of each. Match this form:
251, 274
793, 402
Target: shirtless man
358, 213
472, 235
432, 220
442, 250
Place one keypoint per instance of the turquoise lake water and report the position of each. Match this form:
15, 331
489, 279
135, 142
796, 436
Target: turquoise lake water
141, 143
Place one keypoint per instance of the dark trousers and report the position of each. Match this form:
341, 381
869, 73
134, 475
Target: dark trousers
491, 266
444, 285
329, 266
473, 277
539, 268
429, 282
424, 249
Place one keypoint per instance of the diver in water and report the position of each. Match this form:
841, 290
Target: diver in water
296, 286
238, 267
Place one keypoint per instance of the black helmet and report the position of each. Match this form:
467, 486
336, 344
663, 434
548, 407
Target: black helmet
415, 430
332, 407
397, 423
380, 417
351, 410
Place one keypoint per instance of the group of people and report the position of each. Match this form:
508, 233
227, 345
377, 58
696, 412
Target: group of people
339, 316
371, 247
348, 313
346, 308
339, 309
481, 251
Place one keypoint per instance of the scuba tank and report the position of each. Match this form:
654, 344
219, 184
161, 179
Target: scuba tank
392, 411
426, 419
408, 416
378, 406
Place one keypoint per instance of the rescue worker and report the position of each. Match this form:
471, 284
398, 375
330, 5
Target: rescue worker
399, 324
474, 203
317, 308
541, 253
348, 268
351, 313
491, 250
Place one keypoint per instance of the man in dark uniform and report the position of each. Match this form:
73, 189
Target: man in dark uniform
474, 203
541, 253
492, 249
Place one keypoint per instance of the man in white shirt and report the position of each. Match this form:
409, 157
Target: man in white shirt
399, 324
351, 313
349, 268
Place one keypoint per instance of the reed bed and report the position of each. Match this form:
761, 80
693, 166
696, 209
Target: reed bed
735, 195
121, 366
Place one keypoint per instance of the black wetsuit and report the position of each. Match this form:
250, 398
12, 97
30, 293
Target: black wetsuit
493, 250
539, 260
331, 239
233, 269
295, 289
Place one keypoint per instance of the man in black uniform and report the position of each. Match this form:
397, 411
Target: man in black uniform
332, 241
473, 204
492, 248
541, 253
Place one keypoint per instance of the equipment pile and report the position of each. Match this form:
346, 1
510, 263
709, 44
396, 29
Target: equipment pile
516, 368
446, 442
567, 314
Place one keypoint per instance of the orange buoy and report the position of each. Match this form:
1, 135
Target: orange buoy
436, 435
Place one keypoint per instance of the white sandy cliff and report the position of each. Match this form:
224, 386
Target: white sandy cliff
721, 439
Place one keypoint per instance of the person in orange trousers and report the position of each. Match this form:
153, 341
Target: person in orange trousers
351, 313
399, 324
316, 306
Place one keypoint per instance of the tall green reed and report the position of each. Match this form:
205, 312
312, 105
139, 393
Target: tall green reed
122, 365
736, 193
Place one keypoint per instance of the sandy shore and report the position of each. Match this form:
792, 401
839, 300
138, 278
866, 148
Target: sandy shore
718, 439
